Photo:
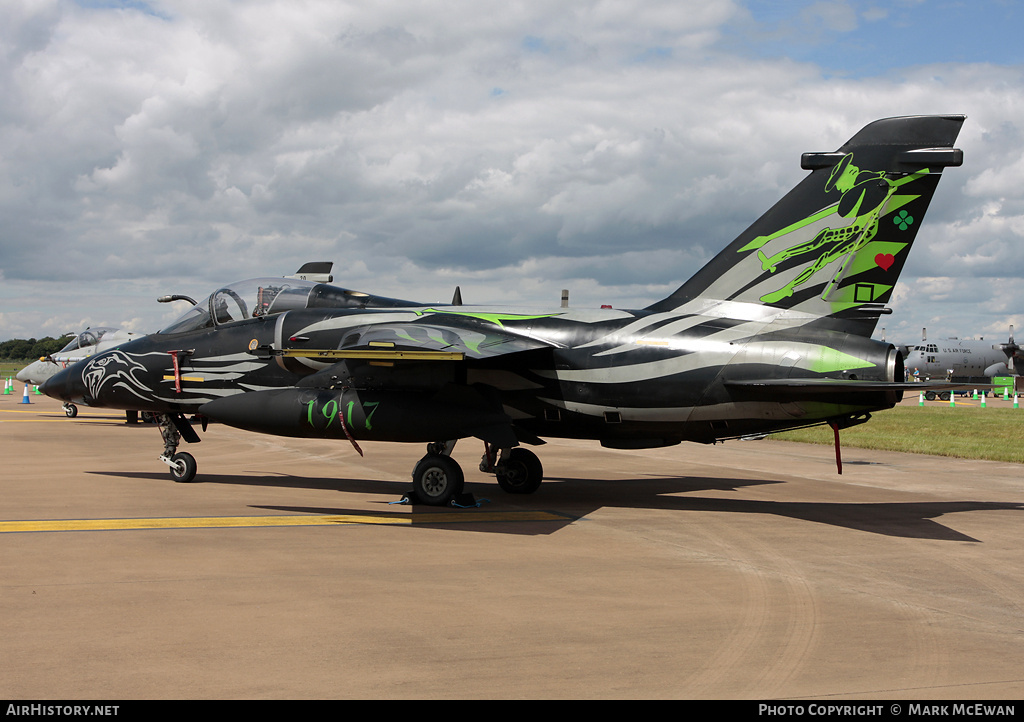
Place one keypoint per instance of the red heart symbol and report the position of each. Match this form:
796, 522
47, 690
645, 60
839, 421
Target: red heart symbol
885, 261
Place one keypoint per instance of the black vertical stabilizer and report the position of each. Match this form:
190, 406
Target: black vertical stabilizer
835, 245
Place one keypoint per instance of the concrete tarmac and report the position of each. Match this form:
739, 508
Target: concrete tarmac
747, 570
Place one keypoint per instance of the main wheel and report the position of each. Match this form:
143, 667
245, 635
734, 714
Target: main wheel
437, 479
184, 468
521, 473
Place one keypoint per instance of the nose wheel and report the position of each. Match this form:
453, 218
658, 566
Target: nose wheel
183, 467
181, 463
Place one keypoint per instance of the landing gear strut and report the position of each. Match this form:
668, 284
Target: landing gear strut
182, 464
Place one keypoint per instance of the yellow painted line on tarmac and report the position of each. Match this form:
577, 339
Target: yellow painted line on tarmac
216, 522
55, 420
51, 415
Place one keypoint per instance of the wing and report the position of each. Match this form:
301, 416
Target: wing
412, 341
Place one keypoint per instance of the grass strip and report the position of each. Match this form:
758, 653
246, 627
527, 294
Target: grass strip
961, 432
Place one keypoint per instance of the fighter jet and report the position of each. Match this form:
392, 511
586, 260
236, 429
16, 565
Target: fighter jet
773, 333
101, 338
87, 343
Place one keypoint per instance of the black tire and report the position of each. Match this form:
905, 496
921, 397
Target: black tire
437, 479
184, 468
944, 395
521, 473
71, 411
930, 395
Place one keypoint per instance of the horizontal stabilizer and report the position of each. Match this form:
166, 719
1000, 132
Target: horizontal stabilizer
791, 389
855, 385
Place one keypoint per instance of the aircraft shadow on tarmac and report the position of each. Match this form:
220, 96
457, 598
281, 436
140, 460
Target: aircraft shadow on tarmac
393, 489
911, 520
575, 498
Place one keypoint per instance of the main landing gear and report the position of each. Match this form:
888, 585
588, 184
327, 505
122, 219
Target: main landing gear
437, 478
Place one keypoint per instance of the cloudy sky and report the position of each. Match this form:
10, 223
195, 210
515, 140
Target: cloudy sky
514, 148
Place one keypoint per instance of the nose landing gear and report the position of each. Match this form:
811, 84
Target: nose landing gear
173, 428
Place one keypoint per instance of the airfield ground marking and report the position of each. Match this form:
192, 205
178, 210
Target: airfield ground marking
54, 416
215, 522
53, 421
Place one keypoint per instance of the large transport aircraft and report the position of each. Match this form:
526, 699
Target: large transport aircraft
963, 360
772, 334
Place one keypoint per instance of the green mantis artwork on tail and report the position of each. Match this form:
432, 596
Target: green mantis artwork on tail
865, 197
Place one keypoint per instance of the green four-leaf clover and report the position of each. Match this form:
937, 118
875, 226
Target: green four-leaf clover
904, 220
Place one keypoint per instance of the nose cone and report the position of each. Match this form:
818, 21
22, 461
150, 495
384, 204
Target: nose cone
37, 372
63, 386
25, 375
112, 379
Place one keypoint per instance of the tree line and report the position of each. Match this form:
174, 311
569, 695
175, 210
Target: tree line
21, 349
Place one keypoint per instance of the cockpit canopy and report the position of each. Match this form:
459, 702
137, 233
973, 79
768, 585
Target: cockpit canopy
268, 296
88, 337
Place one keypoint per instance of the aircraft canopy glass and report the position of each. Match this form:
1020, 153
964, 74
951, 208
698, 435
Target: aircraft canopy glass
245, 299
88, 337
265, 297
